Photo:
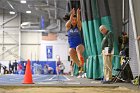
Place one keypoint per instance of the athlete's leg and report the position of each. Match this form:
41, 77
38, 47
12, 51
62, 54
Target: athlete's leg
73, 56
80, 50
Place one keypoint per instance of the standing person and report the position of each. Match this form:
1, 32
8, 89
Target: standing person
62, 68
107, 47
73, 28
24, 66
58, 62
10, 67
19, 68
15, 66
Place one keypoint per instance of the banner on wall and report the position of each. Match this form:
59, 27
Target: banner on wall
49, 52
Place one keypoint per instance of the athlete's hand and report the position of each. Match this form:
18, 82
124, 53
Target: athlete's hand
72, 12
78, 11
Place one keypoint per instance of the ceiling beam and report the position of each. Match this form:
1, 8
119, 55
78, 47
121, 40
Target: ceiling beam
18, 7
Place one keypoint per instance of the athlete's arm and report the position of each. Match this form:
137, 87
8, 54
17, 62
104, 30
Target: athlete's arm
79, 24
68, 24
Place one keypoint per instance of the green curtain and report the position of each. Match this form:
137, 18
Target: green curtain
94, 13
76, 71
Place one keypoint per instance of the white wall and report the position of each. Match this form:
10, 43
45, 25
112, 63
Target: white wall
11, 37
30, 48
60, 47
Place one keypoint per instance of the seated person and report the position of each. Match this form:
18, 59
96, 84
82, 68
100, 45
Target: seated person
48, 69
61, 68
19, 68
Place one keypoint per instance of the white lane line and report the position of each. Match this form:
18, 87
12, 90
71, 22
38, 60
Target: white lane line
67, 78
52, 77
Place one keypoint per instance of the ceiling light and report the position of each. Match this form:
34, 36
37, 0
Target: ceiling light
23, 1
28, 12
12, 12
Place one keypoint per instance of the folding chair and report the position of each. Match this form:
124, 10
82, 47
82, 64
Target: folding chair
120, 71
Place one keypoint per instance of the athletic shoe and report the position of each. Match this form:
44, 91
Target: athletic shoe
84, 75
106, 82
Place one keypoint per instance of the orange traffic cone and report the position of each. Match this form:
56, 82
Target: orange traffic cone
28, 74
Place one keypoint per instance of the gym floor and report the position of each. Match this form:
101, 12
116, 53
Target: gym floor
61, 84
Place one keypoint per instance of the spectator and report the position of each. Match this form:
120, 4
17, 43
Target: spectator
61, 67
4, 69
45, 69
24, 66
10, 67
58, 62
15, 64
107, 47
48, 69
19, 68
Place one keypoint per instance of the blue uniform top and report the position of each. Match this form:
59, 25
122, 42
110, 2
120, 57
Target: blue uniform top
74, 37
